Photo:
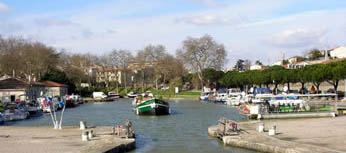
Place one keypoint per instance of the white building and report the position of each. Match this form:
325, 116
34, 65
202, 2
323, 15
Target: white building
256, 67
278, 62
297, 65
339, 52
294, 59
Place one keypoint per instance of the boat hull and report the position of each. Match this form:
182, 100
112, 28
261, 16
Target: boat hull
153, 107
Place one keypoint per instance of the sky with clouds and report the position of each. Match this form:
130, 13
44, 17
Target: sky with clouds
250, 29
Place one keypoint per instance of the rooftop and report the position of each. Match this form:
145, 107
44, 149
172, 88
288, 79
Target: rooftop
53, 84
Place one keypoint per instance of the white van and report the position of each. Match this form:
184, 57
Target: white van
99, 95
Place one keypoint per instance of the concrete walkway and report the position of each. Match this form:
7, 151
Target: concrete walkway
68, 140
317, 135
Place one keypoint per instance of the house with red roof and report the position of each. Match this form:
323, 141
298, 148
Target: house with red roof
55, 89
13, 89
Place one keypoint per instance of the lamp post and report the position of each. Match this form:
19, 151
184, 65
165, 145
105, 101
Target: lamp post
345, 89
89, 75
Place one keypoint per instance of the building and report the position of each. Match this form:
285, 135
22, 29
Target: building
256, 67
108, 74
12, 89
339, 52
294, 59
53, 89
278, 63
296, 65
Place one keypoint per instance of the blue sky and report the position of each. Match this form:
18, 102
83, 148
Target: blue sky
250, 29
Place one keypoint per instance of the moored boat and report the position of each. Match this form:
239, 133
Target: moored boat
205, 96
33, 108
15, 111
113, 95
1, 119
132, 95
151, 106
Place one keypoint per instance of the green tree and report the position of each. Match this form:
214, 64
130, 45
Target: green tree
276, 75
212, 77
258, 62
315, 54
317, 74
302, 76
59, 76
336, 71
239, 65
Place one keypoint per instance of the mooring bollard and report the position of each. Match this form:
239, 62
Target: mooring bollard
90, 134
261, 127
272, 131
85, 136
82, 125
113, 131
259, 116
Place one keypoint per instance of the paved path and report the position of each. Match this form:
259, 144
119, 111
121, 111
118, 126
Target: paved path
46, 139
316, 134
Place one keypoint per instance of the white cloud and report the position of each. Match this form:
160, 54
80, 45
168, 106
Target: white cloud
52, 22
208, 19
300, 37
3, 7
210, 3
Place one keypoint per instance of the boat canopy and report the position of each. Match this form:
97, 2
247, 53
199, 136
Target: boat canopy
262, 91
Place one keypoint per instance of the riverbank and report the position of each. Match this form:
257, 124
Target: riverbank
320, 135
68, 140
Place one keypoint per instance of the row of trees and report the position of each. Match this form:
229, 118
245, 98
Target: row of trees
34, 61
275, 75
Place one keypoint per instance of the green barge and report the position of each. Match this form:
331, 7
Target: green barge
152, 106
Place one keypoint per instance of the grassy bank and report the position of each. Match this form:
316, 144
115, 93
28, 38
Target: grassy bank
166, 94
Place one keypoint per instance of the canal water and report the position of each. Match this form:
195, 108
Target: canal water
184, 131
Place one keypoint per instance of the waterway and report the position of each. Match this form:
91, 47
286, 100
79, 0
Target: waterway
184, 131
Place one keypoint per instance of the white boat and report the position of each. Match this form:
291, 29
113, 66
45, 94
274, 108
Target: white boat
113, 95
15, 112
205, 95
290, 99
234, 97
221, 97
132, 95
33, 108
276, 103
233, 100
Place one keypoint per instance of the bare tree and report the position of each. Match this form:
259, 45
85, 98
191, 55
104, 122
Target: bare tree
121, 58
25, 59
200, 53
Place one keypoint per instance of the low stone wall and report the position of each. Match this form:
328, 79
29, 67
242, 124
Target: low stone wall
297, 115
238, 142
